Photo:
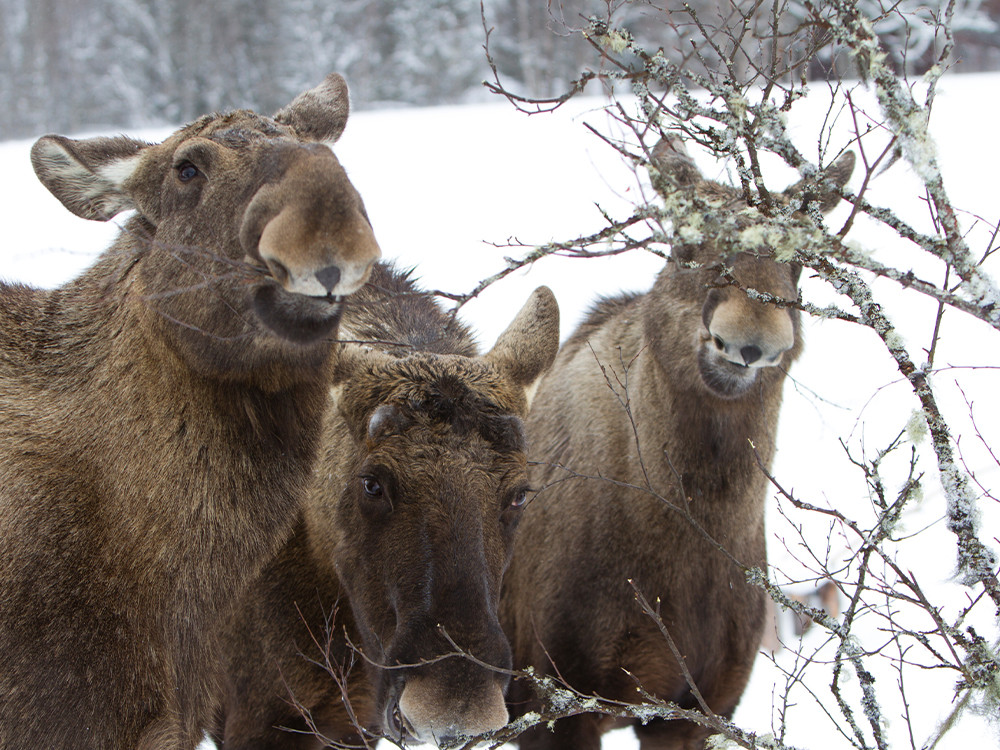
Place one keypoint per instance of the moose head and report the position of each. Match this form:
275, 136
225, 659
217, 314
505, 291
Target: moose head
247, 232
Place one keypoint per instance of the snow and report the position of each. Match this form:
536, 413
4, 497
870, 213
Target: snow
447, 188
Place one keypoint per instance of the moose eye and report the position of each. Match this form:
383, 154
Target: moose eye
519, 499
186, 171
371, 486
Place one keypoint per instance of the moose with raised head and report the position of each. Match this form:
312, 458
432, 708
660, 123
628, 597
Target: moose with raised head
160, 414
661, 499
410, 519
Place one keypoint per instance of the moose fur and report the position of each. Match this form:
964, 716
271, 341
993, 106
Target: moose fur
160, 414
700, 365
410, 521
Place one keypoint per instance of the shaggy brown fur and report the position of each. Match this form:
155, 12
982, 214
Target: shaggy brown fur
159, 415
703, 365
410, 519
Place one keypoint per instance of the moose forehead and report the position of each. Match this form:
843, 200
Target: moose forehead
237, 128
269, 145
438, 400
503, 433
424, 377
712, 255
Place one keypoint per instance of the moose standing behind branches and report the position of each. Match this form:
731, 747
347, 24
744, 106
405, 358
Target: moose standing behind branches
663, 399
160, 414
410, 520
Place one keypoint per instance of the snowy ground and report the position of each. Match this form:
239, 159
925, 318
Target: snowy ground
444, 186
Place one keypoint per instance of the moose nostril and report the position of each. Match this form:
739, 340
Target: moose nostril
329, 277
719, 344
750, 354
393, 719
278, 271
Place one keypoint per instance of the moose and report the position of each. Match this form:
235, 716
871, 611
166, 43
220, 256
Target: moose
410, 519
663, 503
161, 413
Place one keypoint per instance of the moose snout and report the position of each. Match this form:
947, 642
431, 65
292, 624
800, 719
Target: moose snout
437, 711
455, 688
750, 340
747, 355
309, 228
304, 261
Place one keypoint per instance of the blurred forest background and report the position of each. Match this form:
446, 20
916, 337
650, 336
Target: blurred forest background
72, 65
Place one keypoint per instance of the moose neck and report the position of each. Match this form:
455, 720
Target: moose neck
223, 464
715, 445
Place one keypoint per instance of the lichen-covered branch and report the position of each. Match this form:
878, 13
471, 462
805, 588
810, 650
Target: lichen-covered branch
730, 90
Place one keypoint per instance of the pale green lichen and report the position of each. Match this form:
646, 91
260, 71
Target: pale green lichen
984, 293
719, 742
857, 248
737, 104
919, 146
753, 237
784, 248
894, 340
934, 72
690, 234
786, 241
986, 701
916, 427
614, 40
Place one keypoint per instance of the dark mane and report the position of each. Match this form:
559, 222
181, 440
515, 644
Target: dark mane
392, 313
600, 312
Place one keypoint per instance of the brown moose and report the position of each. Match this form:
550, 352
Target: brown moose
410, 519
703, 364
160, 414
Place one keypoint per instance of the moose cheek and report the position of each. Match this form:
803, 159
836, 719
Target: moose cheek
377, 513
509, 521
181, 199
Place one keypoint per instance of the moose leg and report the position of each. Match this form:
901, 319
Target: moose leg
285, 739
671, 735
582, 732
285, 733
721, 695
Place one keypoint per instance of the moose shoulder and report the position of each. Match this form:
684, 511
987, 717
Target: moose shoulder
704, 363
410, 522
160, 414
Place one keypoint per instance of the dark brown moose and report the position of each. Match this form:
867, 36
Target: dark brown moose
703, 364
410, 519
160, 414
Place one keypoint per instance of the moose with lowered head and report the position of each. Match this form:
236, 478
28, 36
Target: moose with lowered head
381, 610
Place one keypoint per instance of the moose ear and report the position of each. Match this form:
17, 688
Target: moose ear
825, 191
529, 345
349, 362
319, 114
671, 166
87, 175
